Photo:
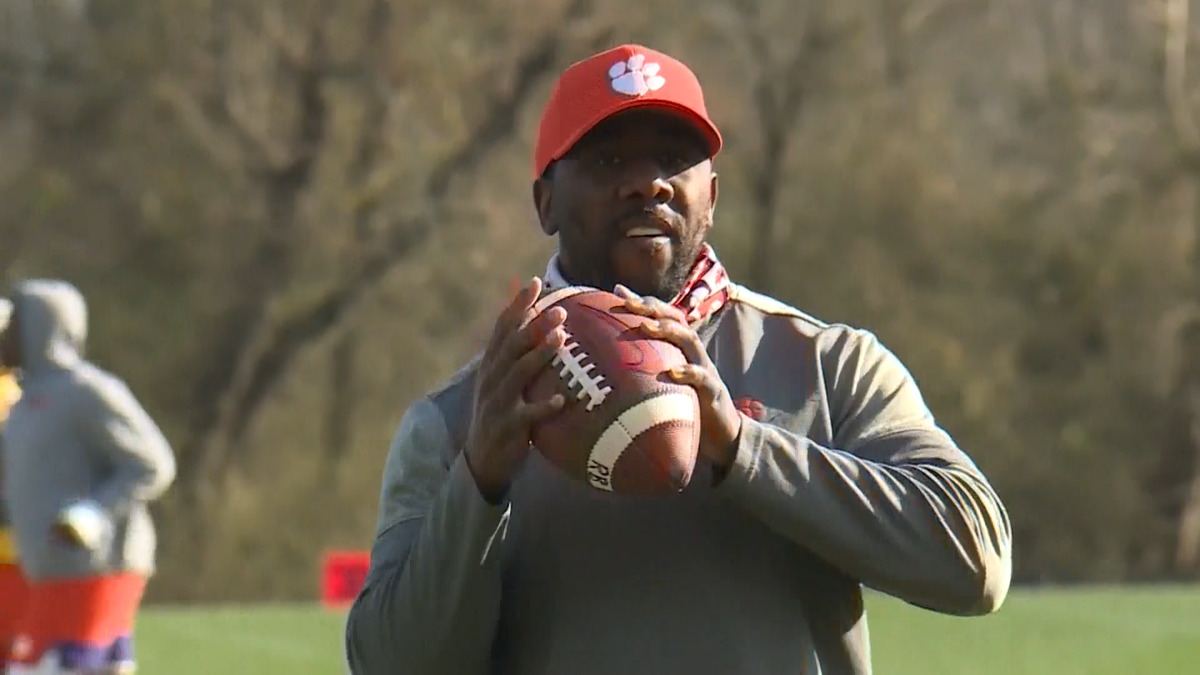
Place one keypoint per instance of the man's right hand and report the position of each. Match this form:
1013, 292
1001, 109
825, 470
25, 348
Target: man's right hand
520, 347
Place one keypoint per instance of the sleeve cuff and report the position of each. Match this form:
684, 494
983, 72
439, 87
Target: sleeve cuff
746, 459
488, 522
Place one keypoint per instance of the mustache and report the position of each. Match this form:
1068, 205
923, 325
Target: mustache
659, 215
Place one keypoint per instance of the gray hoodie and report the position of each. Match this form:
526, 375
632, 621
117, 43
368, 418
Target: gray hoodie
77, 441
842, 480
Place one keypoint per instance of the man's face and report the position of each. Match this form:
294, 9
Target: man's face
632, 203
10, 344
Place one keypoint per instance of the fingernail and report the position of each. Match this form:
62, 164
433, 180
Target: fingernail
621, 290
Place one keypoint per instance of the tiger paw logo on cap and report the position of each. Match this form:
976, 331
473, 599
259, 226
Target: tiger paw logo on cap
635, 77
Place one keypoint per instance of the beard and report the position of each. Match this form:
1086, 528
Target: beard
591, 262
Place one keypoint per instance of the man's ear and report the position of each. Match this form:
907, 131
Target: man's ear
543, 191
712, 195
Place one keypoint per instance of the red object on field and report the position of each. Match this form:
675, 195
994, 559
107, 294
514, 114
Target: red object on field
342, 576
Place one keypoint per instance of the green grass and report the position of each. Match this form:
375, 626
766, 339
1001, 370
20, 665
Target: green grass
1061, 632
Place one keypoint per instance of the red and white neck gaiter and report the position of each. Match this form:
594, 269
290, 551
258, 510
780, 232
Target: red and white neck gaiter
705, 292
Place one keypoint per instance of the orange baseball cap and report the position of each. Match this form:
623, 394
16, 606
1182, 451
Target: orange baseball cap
619, 79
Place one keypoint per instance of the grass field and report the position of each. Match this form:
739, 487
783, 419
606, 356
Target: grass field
1061, 632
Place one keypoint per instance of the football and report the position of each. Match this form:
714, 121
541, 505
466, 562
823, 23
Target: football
625, 427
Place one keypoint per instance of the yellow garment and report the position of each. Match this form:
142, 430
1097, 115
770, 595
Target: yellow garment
8, 548
10, 393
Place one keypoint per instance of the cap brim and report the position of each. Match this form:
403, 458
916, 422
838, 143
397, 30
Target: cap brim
704, 126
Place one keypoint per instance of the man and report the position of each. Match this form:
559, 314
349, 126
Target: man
822, 470
13, 590
81, 461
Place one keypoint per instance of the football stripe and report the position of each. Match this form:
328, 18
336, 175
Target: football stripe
647, 414
557, 296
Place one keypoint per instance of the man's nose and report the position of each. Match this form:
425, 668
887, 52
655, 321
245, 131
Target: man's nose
646, 181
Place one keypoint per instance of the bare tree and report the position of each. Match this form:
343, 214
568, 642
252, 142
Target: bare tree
263, 345
1177, 96
783, 80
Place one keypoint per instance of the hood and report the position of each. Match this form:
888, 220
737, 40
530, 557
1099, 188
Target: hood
52, 320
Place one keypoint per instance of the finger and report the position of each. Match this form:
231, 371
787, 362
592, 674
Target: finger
633, 301
530, 336
530, 364
537, 337
513, 339
537, 342
504, 345
623, 291
524, 301
514, 313
533, 291
654, 308
550, 318
529, 412
529, 313
515, 286
681, 336
699, 378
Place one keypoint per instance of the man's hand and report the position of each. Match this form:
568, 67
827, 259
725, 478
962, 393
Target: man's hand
720, 421
520, 347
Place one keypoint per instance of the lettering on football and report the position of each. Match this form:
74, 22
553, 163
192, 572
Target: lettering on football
599, 475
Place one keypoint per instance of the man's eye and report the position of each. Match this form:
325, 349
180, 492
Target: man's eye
673, 162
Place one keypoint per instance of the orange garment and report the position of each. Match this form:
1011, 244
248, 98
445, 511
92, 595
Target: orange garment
85, 623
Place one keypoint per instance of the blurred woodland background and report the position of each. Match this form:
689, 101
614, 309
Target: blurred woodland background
291, 218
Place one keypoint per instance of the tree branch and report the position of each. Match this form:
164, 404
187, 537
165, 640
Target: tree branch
377, 96
779, 96
262, 364
282, 176
1175, 48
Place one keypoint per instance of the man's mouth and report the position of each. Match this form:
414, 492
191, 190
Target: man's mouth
640, 232
650, 224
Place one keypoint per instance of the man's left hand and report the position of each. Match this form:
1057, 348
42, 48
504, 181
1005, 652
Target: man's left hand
720, 421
